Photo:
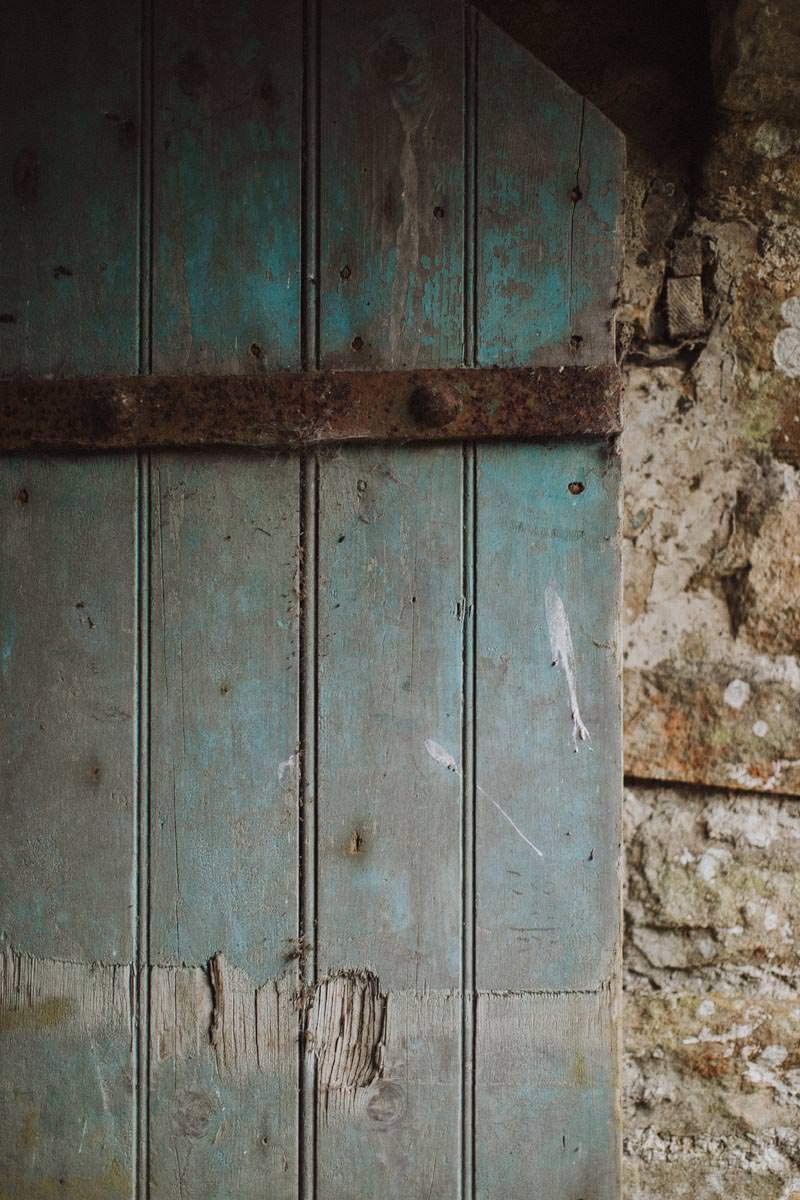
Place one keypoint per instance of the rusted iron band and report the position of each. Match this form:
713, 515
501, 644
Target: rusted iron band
291, 410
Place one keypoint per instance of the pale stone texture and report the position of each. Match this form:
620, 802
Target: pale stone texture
712, 976
712, 638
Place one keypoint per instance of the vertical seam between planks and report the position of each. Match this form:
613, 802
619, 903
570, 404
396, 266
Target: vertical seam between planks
307, 814
308, 680
309, 189
140, 1175
467, 1125
573, 208
468, 892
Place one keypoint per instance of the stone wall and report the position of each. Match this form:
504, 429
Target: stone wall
710, 331
709, 334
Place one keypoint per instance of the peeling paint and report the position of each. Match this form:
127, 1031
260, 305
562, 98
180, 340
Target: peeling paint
71, 997
563, 653
345, 1020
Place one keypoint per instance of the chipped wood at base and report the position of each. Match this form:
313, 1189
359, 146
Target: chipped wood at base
308, 408
546, 1095
76, 998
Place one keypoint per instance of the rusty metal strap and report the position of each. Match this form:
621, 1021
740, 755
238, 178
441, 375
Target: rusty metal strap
297, 409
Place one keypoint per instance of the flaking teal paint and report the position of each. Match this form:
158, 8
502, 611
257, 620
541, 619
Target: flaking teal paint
226, 210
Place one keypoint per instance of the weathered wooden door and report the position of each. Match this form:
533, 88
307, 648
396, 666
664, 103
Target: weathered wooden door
310, 757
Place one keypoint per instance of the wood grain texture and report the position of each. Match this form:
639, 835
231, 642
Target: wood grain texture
384, 605
391, 184
67, 818
226, 204
224, 797
68, 161
389, 822
548, 735
549, 185
546, 1097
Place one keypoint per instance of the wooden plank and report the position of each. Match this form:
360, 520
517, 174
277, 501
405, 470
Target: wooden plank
226, 206
69, 109
597, 239
548, 776
391, 217
224, 799
549, 180
306, 408
548, 742
227, 221
66, 825
389, 820
546, 1097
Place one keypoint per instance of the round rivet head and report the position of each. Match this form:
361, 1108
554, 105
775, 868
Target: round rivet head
435, 405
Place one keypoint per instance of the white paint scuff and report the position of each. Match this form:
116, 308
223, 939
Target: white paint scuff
563, 653
288, 766
445, 759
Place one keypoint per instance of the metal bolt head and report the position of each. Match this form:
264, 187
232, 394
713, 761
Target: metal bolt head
435, 405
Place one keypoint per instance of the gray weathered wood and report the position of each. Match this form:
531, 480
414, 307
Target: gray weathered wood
391, 216
67, 831
389, 837
224, 735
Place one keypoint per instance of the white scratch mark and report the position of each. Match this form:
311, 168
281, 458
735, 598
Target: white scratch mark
445, 759
101, 1081
83, 1134
563, 652
441, 756
285, 767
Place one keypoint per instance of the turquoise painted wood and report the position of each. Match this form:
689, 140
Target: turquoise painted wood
548, 751
388, 830
391, 223
549, 195
69, 97
226, 216
223, 802
310, 852
67, 834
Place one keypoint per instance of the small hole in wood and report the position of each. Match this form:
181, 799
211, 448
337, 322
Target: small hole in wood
438, 212
575, 488
357, 344
345, 272
22, 496
256, 350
